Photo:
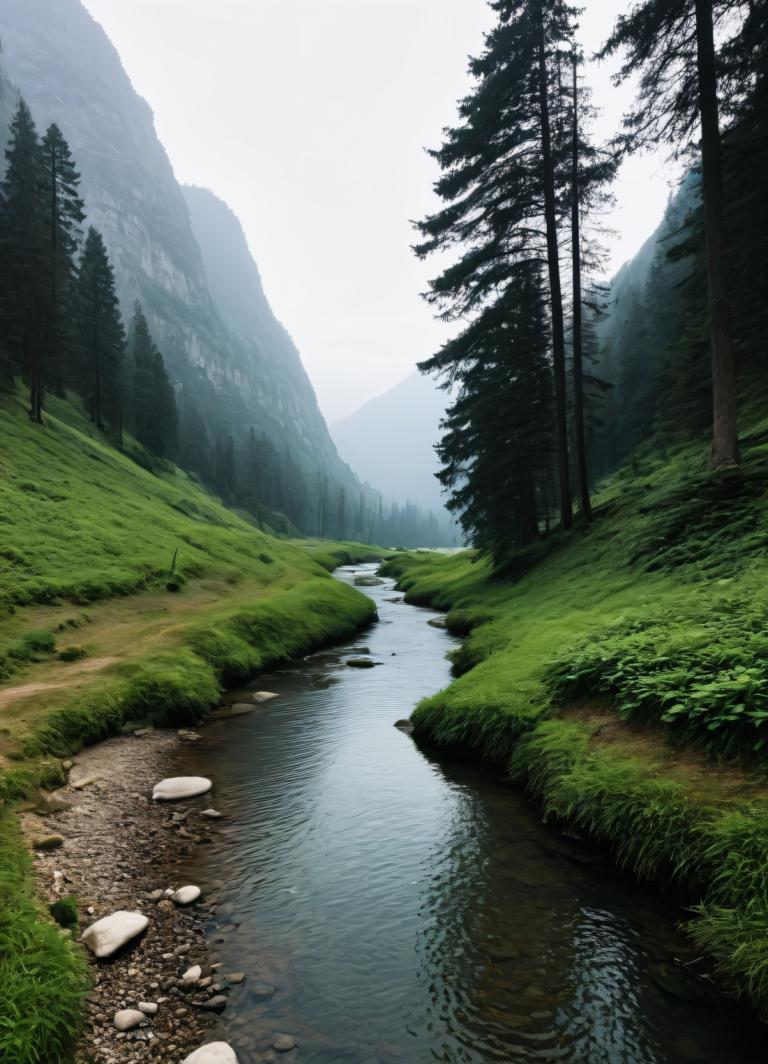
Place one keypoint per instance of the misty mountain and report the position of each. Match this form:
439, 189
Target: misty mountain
181, 253
390, 440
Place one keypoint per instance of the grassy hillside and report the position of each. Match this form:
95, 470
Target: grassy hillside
125, 595
624, 677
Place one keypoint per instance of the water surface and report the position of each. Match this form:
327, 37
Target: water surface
411, 909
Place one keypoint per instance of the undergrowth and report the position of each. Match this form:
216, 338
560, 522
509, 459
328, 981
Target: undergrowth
43, 977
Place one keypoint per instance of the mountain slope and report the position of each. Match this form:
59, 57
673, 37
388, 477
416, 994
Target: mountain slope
236, 377
390, 440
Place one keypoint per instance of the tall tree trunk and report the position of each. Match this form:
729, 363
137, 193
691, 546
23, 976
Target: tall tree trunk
725, 447
555, 287
578, 352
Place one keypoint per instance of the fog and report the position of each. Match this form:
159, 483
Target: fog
311, 121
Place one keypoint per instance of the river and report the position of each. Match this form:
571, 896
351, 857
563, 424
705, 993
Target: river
387, 905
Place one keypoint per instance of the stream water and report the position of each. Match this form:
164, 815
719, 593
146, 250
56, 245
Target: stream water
389, 906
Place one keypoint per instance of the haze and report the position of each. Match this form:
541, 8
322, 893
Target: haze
311, 121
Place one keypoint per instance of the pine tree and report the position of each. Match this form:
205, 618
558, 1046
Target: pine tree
100, 335
497, 445
505, 172
672, 46
23, 256
64, 214
154, 418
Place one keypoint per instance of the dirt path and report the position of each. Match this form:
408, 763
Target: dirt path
119, 847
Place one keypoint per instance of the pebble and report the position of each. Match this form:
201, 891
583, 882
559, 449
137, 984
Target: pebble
127, 1019
109, 934
284, 1043
179, 787
212, 814
186, 895
213, 1053
149, 1008
236, 977
216, 1004
192, 974
49, 842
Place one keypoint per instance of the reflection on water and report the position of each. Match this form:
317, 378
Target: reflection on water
391, 907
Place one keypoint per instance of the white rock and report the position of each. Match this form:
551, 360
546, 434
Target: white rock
263, 696
149, 1008
192, 974
178, 787
186, 895
214, 1053
127, 1019
107, 935
212, 814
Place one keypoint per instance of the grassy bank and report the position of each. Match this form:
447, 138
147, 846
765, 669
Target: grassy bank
621, 675
128, 595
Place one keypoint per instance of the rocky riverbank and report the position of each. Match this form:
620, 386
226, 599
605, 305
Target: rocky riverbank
104, 841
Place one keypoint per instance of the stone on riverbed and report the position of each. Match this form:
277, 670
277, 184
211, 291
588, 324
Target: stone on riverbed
186, 895
361, 663
179, 787
127, 1019
109, 934
49, 842
149, 1008
263, 696
215, 1004
213, 1053
212, 814
368, 581
192, 975
284, 1043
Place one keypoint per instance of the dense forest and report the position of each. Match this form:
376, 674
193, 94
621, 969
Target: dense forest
556, 376
62, 333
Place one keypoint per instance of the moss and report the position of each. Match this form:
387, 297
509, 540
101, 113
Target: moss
64, 911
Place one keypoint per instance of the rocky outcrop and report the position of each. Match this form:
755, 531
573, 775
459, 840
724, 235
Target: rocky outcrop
229, 356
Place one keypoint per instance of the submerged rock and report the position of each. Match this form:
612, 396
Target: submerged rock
263, 696
212, 814
284, 1043
186, 895
109, 934
213, 1053
179, 787
362, 663
215, 1004
368, 581
127, 1019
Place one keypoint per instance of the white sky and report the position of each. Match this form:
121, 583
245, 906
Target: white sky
310, 119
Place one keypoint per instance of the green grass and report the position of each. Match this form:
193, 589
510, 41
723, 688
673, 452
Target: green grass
656, 616
43, 976
83, 525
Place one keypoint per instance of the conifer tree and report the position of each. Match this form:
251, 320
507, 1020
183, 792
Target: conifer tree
23, 255
64, 214
154, 418
100, 335
671, 44
505, 174
498, 441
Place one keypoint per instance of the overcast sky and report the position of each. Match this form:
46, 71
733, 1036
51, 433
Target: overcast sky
310, 119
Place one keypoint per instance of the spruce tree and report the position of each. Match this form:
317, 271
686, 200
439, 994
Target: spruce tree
672, 47
154, 419
100, 335
505, 173
63, 214
23, 256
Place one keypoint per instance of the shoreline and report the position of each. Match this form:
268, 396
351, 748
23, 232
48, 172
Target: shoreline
119, 847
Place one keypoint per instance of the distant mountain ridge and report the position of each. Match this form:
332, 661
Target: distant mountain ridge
182, 253
390, 441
